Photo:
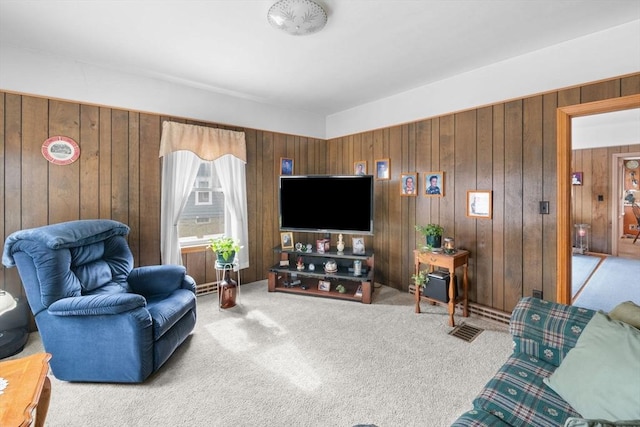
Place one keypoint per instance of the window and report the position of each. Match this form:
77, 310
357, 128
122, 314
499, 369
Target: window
203, 215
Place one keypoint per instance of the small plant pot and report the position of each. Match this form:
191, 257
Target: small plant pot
434, 241
228, 260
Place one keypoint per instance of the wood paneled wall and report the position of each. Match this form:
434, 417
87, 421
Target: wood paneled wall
509, 148
596, 166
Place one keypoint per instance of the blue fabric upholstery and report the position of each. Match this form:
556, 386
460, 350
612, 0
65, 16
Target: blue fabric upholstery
101, 319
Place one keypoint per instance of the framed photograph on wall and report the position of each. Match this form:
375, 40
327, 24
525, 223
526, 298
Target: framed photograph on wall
479, 204
360, 167
576, 178
286, 166
286, 240
409, 184
382, 169
434, 184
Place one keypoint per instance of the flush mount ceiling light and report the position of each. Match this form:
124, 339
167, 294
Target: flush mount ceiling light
297, 17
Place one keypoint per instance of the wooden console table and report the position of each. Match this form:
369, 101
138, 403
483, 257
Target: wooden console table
28, 388
451, 262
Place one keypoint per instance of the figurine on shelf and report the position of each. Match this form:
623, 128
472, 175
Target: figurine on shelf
340, 245
300, 265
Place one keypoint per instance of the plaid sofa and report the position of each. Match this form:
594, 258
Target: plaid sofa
543, 332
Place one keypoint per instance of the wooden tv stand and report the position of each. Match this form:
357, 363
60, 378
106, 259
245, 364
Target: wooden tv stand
287, 278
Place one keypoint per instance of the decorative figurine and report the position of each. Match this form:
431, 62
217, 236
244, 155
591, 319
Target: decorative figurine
340, 245
309, 247
300, 265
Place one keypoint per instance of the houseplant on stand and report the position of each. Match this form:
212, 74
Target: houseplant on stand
432, 233
225, 249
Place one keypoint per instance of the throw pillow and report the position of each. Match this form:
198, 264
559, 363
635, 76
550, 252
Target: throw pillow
627, 312
600, 376
581, 422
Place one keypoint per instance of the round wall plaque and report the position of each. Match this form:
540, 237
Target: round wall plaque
60, 150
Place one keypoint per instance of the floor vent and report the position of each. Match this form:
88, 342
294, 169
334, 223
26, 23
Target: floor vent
466, 332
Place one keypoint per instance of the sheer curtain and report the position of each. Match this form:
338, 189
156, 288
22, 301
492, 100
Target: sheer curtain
232, 176
179, 171
184, 147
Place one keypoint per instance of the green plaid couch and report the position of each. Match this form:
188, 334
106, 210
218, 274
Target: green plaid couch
543, 332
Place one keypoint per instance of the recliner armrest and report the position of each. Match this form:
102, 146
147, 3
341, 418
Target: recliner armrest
94, 305
154, 280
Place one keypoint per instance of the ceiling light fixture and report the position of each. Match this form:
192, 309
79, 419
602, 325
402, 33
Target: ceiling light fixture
297, 17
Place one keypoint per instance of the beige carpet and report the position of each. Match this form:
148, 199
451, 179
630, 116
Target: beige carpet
291, 360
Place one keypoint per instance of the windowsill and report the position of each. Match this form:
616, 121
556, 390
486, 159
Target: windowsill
190, 249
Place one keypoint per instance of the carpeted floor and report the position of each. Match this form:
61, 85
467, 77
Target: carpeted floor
291, 360
581, 268
616, 280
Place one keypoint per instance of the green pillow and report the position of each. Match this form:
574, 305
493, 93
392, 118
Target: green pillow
581, 422
600, 376
627, 312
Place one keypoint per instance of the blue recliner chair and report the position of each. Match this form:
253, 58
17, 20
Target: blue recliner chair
101, 319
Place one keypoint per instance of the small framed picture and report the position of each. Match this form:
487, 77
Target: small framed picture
382, 169
360, 167
434, 184
576, 178
286, 166
479, 204
324, 285
408, 184
286, 240
358, 245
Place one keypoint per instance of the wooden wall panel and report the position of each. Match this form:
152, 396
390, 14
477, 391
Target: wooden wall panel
507, 147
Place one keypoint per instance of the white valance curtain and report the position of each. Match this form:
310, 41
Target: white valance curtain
183, 148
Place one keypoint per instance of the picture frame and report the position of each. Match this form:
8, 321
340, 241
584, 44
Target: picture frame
383, 169
360, 167
286, 240
409, 184
576, 178
480, 204
358, 245
324, 285
286, 166
434, 184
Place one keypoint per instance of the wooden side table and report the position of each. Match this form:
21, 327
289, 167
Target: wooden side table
28, 388
451, 262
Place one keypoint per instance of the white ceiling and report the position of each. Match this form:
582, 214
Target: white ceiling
369, 49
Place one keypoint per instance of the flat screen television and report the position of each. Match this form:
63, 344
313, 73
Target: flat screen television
327, 203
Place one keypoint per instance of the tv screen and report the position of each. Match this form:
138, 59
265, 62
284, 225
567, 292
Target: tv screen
327, 203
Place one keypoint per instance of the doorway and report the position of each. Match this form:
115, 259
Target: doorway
564, 223
625, 238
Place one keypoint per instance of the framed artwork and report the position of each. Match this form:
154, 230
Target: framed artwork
324, 285
434, 184
286, 166
360, 167
286, 240
409, 184
358, 245
382, 169
479, 204
576, 178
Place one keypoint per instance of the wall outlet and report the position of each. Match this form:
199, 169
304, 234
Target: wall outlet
544, 208
537, 293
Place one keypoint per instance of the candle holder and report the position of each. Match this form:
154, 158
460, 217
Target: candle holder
582, 238
449, 245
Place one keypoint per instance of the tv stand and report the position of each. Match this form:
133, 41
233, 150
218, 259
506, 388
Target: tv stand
285, 276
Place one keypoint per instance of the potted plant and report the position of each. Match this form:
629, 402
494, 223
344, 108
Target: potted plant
432, 233
420, 280
225, 248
